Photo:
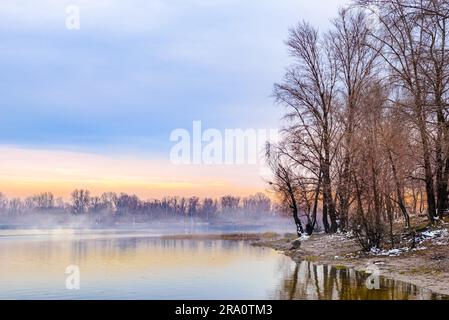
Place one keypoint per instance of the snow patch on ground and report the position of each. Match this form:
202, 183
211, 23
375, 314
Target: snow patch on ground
436, 237
304, 237
439, 237
390, 253
435, 233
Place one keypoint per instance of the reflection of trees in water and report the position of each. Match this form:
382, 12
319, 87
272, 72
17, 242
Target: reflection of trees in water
308, 281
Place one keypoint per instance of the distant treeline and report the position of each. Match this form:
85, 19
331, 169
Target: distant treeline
83, 203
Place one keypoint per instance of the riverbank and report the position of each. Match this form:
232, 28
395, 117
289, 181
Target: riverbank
426, 266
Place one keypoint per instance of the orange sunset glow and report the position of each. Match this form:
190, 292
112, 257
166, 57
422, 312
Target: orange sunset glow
26, 172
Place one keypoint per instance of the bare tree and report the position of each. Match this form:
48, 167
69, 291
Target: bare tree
80, 201
285, 184
410, 41
308, 92
356, 60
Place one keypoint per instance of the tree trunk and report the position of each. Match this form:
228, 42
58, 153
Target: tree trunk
399, 192
430, 192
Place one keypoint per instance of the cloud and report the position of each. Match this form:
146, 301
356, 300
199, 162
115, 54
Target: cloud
138, 69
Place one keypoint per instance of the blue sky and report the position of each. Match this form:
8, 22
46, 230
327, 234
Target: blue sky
136, 70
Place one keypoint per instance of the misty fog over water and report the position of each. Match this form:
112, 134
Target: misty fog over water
52, 224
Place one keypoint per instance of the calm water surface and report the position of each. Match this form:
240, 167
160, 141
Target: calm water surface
133, 265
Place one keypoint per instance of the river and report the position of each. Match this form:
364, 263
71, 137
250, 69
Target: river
139, 265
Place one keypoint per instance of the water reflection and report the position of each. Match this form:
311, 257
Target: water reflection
307, 280
134, 266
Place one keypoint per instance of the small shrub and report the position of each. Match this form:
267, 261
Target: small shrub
369, 231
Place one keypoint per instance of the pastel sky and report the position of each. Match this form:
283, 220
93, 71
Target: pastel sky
95, 107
